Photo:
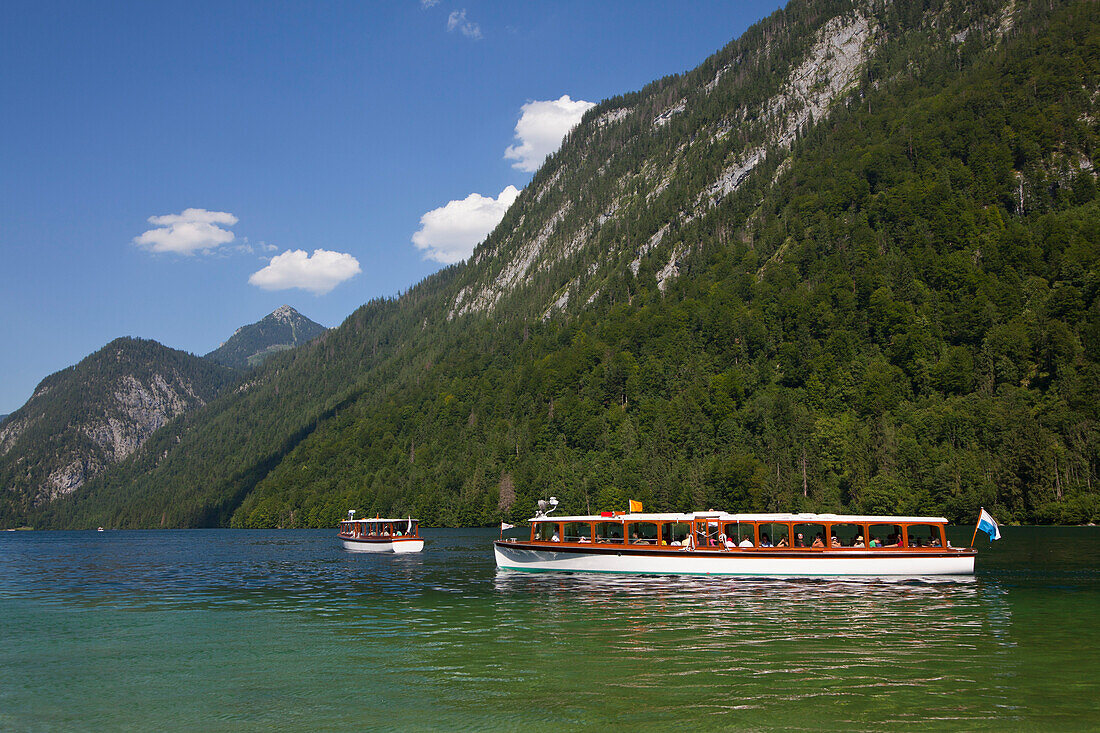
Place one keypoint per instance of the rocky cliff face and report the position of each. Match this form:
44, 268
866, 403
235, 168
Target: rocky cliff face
750, 128
85, 418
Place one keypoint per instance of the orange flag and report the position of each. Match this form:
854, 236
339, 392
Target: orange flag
635, 506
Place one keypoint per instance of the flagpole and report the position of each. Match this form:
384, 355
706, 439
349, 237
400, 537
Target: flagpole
975, 537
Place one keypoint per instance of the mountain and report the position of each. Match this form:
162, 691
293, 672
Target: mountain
83, 419
850, 262
285, 328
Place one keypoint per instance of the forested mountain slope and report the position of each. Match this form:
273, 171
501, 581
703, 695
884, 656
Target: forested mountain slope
83, 419
850, 262
282, 329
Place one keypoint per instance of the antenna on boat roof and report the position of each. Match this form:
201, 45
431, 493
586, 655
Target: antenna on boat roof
545, 508
351, 514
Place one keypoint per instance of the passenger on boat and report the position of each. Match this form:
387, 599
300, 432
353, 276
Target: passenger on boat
765, 540
858, 542
799, 541
818, 542
833, 541
555, 538
747, 542
875, 542
583, 538
726, 542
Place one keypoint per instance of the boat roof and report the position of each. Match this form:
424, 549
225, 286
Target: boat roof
380, 519
726, 517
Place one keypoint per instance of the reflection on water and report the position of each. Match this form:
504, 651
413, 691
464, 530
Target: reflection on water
253, 630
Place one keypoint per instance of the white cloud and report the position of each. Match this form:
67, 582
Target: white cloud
318, 273
541, 128
429, 3
450, 233
457, 20
195, 230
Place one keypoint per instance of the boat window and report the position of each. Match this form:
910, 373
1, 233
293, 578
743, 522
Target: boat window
547, 531
578, 532
847, 535
773, 534
886, 535
924, 535
738, 532
806, 534
642, 533
609, 532
675, 533
706, 533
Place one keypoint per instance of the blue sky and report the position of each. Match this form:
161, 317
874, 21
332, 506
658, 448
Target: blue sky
169, 170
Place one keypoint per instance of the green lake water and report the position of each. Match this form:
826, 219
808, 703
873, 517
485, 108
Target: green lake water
261, 631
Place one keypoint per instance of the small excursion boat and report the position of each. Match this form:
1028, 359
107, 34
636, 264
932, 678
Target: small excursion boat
717, 543
380, 535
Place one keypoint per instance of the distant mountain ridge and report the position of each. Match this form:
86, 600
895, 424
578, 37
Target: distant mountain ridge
849, 262
249, 346
85, 418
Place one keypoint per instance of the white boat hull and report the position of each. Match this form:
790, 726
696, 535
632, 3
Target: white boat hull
767, 563
398, 546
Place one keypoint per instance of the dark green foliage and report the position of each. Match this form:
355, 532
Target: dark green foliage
253, 344
899, 314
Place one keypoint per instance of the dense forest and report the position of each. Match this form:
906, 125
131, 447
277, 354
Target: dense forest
897, 311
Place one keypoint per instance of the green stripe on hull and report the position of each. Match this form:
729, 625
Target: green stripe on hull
743, 575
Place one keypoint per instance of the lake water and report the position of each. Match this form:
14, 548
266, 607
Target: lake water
252, 630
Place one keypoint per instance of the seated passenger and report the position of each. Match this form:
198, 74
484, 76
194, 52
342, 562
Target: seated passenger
833, 541
876, 542
935, 542
799, 541
765, 541
726, 542
747, 542
858, 542
583, 538
818, 541
555, 538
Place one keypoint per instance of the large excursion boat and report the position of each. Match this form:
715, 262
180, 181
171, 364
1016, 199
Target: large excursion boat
380, 535
717, 543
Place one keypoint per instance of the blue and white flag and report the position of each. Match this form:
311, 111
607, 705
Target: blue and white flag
988, 525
